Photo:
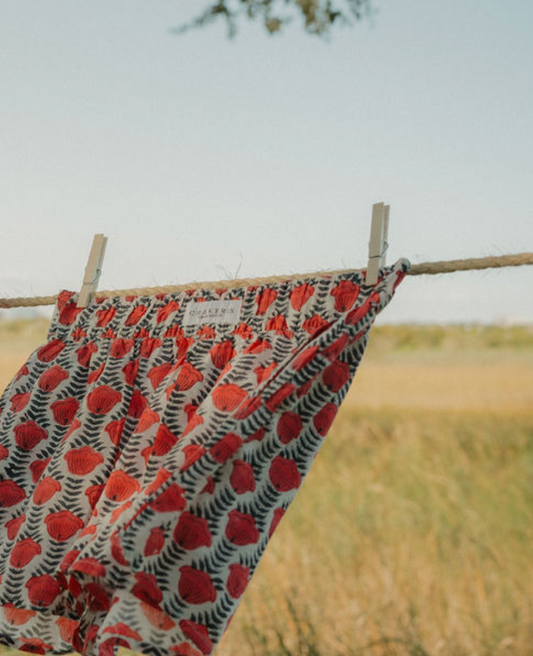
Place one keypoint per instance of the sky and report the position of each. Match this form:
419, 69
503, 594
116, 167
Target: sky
204, 158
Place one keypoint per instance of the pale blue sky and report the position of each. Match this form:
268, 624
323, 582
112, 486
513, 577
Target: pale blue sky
197, 155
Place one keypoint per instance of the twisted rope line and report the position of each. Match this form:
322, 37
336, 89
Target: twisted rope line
424, 268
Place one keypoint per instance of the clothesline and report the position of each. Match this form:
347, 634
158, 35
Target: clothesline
424, 268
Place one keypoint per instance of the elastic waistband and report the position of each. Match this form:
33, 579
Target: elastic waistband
162, 315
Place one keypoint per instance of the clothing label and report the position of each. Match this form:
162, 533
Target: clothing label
212, 312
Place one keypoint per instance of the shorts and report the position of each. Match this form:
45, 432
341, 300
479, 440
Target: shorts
150, 447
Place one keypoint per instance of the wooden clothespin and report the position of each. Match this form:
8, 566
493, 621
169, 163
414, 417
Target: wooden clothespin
93, 270
378, 244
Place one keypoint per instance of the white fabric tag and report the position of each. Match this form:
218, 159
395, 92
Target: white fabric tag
212, 312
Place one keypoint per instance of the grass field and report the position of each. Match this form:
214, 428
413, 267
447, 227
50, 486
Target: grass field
412, 535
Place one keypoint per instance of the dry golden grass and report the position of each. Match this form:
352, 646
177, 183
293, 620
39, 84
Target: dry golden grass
411, 535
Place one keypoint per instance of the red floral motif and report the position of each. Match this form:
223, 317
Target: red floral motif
222, 353
45, 490
85, 353
192, 452
184, 649
228, 397
83, 461
93, 493
284, 474
170, 500
324, 418
257, 436
237, 580
146, 454
241, 529
336, 375
20, 401
209, 487
34, 645
156, 617
105, 316
76, 423
279, 396
10, 494
300, 295
124, 630
117, 512
142, 333
3, 452
242, 477
195, 586
23, 371
276, 519
67, 627
135, 315
358, 314
120, 347
279, 325
164, 312
13, 526
155, 541
333, 351
289, 427
90, 529
303, 358
146, 588
315, 325
17, 616
78, 333
187, 377
95, 375
63, 298
51, 378
116, 549
345, 293
37, 467
183, 344
68, 314
131, 371
148, 418
103, 399
28, 435
198, 634
162, 476
156, 374
64, 410
62, 525
42, 590
148, 346
264, 299
114, 430
138, 404
23, 552
89, 566
225, 447
50, 351
193, 419
192, 532
98, 597
263, 373
258, 346
164, 440
243, 330
120, 486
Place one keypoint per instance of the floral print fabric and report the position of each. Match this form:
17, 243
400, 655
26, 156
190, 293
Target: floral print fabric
146, 458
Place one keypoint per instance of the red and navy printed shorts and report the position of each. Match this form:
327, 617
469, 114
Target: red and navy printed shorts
150, 447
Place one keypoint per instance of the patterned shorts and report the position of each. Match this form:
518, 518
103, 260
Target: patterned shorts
150, 447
